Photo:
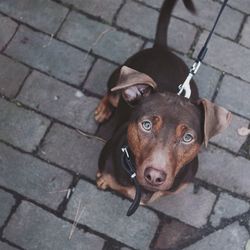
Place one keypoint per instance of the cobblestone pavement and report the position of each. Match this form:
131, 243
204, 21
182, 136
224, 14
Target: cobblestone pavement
55, 59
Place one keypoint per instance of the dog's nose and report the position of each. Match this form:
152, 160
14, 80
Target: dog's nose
154, 177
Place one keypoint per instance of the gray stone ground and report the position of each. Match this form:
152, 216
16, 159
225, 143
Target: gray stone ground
55, 59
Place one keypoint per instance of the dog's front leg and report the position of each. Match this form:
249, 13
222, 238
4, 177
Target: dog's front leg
105, 106
104, 181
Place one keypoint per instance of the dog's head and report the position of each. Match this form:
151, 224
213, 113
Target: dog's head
165, 131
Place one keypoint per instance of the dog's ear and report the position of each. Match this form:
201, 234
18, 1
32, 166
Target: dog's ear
216, 119
133, 84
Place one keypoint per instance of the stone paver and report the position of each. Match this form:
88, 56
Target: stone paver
91, 30
174, 234
60, 101
7, 202
12, 75
243, 5
98, 78
21, 127
148, 45
207, 11
187, 206
7, 30
79, 153
180, 35
234, 95
106, 213
97, 8
32, 178
248, 245
230, 238
101, 38
33, 228
41, 14
226, 55
227, 207
118, 46
230, 138
154, 3
5, 246
148, 19
207, 80
224, 170
245, 34
49, 55
245, 150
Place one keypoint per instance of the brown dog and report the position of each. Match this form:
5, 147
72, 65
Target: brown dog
163, 131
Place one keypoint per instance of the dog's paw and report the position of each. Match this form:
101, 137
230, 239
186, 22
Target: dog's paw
101, 181
103, 110
98, 174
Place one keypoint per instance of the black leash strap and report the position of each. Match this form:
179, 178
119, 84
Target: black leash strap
130, 169
204, 49
192, 71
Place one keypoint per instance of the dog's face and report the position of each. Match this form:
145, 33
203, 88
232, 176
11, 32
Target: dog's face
165, 131
164, 134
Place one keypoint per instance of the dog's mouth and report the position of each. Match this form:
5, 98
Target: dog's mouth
156, 189
151, 188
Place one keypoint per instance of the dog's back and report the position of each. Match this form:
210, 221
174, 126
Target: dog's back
167, 69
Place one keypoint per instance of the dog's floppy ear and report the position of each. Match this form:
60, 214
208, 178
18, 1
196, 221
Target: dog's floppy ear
216, 119
133, 84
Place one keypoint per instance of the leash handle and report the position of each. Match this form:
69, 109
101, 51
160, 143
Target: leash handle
193, 70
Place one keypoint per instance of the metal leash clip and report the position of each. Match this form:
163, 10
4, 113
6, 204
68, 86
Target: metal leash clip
186, 85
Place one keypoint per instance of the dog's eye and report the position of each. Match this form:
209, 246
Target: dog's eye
187, 138
146, 125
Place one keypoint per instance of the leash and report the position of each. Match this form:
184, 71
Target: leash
126, 160
185, 87
128, 166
